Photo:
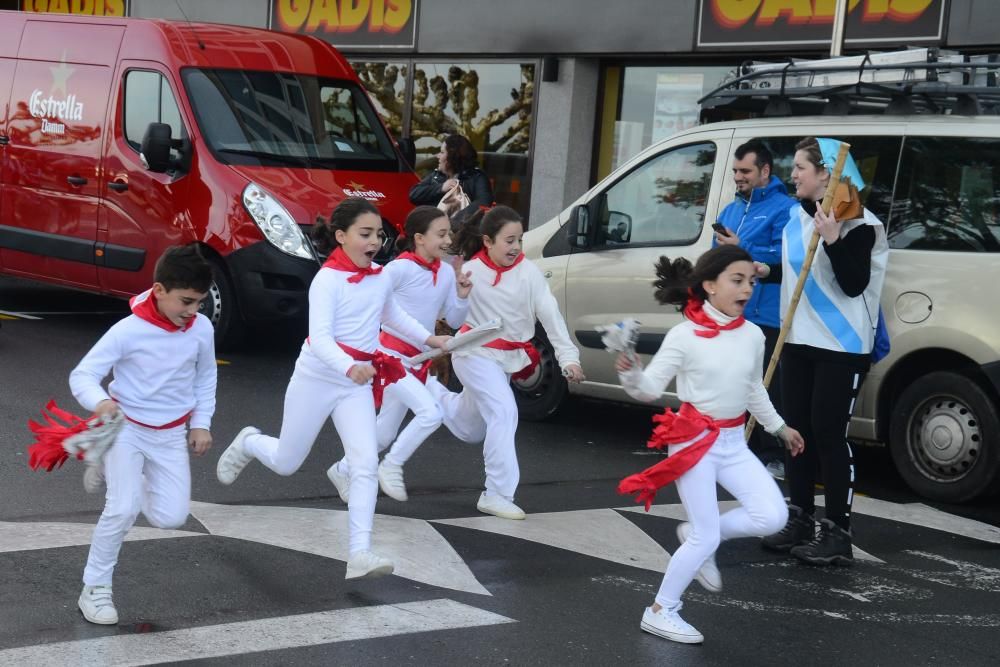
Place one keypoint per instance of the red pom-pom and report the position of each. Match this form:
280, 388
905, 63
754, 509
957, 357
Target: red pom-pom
47, 450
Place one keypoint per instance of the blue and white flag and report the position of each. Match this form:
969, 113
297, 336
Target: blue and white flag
829, 148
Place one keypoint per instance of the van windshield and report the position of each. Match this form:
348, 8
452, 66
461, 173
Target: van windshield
282, 119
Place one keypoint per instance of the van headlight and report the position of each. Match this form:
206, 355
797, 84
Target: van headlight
278, 226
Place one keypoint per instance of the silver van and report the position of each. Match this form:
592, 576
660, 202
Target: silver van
935, 182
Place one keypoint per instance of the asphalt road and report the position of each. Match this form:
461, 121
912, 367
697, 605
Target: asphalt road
256, 575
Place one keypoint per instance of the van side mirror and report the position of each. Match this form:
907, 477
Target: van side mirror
578, 229
409, 150
619, 227
155, 149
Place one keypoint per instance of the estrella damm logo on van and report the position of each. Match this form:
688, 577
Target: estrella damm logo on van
79, 7
359, 190
51, 108
349, 23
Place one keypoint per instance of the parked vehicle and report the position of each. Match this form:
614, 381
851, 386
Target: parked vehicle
120, 137
935, 183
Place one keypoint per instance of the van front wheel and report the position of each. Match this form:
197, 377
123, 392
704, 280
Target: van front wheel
221, 309
944, 437
540, 395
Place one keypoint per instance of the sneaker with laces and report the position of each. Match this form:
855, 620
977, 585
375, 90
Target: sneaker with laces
831, 546
708, 575
366, 564
235, 458
96, 604
776, 469
390, 480
667, 623
93, 478
499, 506
340, 481
799, 529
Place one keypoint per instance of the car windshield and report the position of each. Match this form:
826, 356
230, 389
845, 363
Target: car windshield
282, 119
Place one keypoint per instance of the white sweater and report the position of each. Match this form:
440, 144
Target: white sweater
159, 376
720, 376
521, 297
349, 313
414, 290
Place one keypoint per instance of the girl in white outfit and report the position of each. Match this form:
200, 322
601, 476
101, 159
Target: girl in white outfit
513, 289
339, 373
427, 293
717, 358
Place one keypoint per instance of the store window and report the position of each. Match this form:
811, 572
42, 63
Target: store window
644, 104
386, 86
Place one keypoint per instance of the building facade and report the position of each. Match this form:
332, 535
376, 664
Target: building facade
556, 94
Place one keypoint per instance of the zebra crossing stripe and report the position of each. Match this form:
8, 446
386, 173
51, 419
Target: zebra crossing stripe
267, 634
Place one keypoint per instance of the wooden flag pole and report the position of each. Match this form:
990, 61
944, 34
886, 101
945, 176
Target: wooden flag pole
827, 204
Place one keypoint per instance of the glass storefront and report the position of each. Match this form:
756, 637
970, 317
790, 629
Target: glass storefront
492, 104
644, 104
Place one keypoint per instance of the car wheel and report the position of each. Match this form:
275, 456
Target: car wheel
945, 437
221, 309
541, 395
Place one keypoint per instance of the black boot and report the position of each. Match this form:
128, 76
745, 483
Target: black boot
832, 546
800, 529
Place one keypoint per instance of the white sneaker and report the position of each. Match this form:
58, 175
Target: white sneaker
670, 625
96, 605
341, 481
708, 575
235, 458
499, 506
93, 478
368, 565
390, 480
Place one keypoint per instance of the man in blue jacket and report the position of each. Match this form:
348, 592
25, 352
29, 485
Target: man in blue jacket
754, 221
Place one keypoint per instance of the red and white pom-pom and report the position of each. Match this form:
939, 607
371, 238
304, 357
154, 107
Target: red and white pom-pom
63, 434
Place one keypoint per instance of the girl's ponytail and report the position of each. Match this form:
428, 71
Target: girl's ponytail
322, 236
673, 280
469, 238
344, 215
418, 221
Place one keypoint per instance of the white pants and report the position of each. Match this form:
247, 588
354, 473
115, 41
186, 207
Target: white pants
308, 402
763, 512
146, 470
401, 396
486, 411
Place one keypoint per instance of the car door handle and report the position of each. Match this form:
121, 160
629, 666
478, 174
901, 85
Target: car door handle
76, 180
118, 186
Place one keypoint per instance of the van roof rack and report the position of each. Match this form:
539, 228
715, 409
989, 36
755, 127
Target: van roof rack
917, 80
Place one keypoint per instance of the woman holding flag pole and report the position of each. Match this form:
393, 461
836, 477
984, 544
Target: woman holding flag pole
839, 251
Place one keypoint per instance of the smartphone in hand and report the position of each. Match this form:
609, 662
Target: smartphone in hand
721, 229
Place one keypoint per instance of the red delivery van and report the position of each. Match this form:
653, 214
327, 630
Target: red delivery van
120, 137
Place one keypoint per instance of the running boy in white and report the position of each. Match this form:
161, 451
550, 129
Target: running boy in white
162, 358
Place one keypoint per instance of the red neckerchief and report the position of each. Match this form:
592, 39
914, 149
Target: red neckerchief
695, 311
339, 261
430, 266
144, 307
485, 259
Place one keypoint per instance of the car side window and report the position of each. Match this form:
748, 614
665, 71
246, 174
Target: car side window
662, 202
148, 99
948, 196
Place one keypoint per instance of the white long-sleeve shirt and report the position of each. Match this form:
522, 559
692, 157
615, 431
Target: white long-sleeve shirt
349, 313
720, 376
414, 290
159, 375
521, 297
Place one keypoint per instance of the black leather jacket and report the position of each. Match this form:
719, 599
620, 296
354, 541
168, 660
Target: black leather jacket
474, 182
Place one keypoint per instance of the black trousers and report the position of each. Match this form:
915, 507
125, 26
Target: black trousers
819, 389
765, 446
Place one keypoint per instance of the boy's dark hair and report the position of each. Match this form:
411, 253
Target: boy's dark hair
762, 156
417, 222
183, 267
324, 232
677, 280
482, 223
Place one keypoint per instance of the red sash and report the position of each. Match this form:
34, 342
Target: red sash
507, 345
388, 369
407, 350
674, 428
175, 423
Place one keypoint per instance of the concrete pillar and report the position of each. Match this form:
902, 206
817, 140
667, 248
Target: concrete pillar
564, 138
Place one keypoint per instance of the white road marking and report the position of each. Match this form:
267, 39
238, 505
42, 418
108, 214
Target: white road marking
22, 316
419, 552
602, 533
963, 575
918, 514
266, 634
17, 536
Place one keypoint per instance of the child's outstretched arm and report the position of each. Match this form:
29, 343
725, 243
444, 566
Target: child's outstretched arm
547, 312
401, 321
649, 384
760, 406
